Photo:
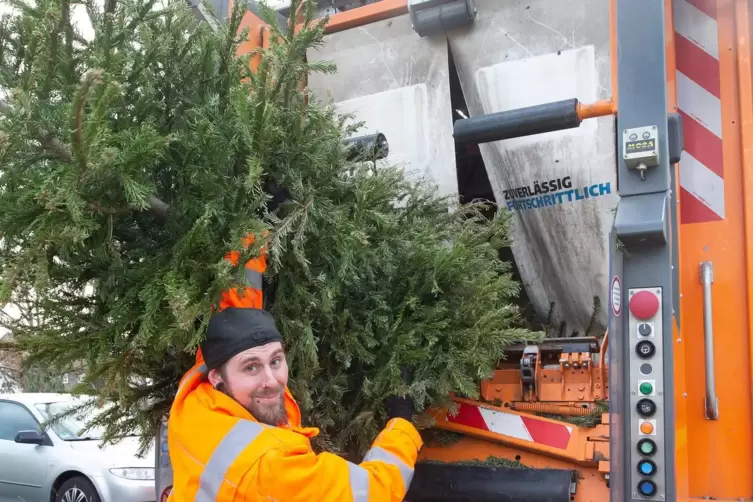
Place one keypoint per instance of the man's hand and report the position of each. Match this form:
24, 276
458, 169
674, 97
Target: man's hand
400, 406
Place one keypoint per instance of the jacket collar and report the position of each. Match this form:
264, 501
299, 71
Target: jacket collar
195, 382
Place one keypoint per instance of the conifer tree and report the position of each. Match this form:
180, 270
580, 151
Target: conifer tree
133, 160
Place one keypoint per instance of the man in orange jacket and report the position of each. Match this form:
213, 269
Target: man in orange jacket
235, 432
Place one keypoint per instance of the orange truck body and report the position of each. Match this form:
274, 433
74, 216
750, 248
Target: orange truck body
713, 457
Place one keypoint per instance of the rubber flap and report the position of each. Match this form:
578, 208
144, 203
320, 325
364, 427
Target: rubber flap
471, 483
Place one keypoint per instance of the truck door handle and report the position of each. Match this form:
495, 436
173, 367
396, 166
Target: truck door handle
711, 403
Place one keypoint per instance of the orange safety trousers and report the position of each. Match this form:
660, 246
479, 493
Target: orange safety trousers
221, 453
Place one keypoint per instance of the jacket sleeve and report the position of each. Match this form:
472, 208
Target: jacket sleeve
384, 475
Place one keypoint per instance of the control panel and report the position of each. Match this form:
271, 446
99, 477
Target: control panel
640, 147
646, 386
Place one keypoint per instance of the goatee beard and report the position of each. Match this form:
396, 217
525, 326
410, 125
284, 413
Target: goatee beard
274, 415
271, 415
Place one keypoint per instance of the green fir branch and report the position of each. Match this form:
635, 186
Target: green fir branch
119, 201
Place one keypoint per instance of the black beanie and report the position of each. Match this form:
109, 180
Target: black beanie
233, 330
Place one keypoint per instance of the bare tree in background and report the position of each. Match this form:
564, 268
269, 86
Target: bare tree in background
22, 311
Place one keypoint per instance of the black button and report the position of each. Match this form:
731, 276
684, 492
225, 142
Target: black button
646, 408
644, 329
645, 349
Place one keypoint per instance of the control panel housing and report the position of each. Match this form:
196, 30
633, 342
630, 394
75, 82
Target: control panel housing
647, 393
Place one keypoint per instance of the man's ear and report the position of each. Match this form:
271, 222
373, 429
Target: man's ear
214, 378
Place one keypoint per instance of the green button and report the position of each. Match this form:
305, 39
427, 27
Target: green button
646, 388
647, 448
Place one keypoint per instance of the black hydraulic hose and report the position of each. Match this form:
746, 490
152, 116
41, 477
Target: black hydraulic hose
518, 123
368, 147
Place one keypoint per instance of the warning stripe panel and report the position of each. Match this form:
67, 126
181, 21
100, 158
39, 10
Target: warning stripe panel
704, 146
699, 104
469, 416
696, 26
698, 80
507, 424
692, 210
708, 7
519, 427
702, 184
547, 433
698, 66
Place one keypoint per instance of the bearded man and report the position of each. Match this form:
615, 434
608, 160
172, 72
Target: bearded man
235, 433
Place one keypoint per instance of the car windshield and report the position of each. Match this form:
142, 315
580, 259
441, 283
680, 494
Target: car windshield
71, 427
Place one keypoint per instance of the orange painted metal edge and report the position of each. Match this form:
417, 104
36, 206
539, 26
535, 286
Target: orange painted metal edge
591, 487
613, 49
366, 15
577, 447
256, 32
597, 109
719, 467
744, 28
679, 366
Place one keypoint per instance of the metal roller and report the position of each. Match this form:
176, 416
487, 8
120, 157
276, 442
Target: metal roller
470, 483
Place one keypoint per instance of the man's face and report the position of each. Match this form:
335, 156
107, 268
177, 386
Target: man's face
257, 378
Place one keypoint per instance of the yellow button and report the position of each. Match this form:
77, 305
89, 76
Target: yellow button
647, 428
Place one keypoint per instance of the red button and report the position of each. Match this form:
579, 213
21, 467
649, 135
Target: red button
644, 305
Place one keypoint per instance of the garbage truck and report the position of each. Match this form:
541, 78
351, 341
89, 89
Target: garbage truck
619, 133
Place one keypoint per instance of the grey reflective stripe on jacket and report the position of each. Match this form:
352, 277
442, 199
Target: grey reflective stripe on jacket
242, 434
382, 455
358, 477
235, 442
198, 370
254, 279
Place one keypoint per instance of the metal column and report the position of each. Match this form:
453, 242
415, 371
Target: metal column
643, 279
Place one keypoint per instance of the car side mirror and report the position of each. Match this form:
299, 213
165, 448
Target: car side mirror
29, 437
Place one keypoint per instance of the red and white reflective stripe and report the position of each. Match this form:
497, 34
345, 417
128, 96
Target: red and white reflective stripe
699, 102
513, 425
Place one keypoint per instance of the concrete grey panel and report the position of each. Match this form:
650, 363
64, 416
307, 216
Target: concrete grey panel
520, 54
398, 83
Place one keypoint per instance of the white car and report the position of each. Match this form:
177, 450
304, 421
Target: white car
59, 463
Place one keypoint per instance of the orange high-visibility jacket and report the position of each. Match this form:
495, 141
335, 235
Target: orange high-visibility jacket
251, 295
220, 453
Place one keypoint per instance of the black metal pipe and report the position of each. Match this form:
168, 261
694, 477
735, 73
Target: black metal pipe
518, 123
368, 147
471, 483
